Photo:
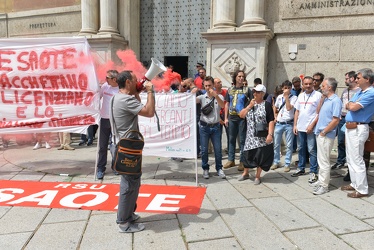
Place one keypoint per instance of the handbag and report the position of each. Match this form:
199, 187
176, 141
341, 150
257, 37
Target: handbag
128, 151
208, 108
261, 129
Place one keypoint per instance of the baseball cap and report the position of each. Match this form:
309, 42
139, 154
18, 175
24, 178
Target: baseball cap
260, 88
199, 64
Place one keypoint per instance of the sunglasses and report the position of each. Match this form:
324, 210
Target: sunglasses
184, 86
317, 80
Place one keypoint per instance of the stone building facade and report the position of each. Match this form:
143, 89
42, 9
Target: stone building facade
274, 40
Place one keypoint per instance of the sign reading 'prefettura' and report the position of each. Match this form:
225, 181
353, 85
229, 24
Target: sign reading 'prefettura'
328, 8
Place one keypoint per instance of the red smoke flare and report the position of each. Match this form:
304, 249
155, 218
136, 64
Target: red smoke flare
129, 62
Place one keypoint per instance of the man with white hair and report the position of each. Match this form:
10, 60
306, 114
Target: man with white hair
325, 130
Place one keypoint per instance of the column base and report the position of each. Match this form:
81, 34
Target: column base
224, 24
84, 32
108, 30
107, 45
253, 22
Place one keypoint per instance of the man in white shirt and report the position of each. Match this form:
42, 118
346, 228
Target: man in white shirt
304, 121
107, 91
284, 113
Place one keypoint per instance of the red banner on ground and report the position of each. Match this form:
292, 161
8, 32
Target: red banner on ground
94, 196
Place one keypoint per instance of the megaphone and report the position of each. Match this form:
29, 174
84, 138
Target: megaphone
156, 68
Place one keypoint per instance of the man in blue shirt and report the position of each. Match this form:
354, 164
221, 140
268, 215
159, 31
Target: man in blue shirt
328, 119
360, 110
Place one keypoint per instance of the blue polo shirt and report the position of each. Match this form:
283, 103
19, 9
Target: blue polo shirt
332, 107
366, 100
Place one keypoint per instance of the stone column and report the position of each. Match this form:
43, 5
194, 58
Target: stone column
108, 17
253, 13
225, 14
90, 16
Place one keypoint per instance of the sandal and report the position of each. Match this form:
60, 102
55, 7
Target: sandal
356, 195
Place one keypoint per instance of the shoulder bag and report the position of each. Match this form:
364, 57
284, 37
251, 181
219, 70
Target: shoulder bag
128, 151
261, 129
208, 108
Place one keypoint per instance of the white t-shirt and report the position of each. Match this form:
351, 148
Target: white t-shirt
106, 93
307, 105
213, 117
285, 115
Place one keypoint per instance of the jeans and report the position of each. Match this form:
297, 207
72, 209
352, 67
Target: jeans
213, 133
310, 140
105, 131
341, 143
236, 126
278, 132
90, 134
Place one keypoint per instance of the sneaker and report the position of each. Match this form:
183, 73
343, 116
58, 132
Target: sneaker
320, 190
176, 159
37, 146
298, 172
89, 143
274, 166
100, 175
241, 166
206, 174
287, 169
337, 166
221, 174
47, 146
229, 164
131, 227
314, 184
135, 217
82, 142
313, 178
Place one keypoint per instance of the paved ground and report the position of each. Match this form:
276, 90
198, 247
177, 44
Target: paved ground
281, 213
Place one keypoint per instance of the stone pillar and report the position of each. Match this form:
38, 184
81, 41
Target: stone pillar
225, 14
90, 17
253, 13
108, 17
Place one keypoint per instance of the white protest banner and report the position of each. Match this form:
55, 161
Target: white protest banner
47, 84
177, 135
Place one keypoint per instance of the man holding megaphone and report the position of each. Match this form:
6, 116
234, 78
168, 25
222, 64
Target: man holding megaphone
125, 110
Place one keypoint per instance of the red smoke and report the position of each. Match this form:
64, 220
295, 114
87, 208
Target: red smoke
129, 62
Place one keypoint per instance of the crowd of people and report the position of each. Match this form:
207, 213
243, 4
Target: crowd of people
305, 113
